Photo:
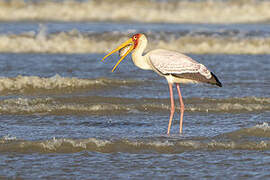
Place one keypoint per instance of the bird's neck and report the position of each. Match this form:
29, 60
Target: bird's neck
138, 59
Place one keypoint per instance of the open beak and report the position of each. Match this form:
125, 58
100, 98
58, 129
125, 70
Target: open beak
130, 43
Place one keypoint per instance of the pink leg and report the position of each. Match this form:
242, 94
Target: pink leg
182, 107
172, 108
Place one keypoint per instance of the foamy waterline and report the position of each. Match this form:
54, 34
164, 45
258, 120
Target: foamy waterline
97, 105
56, 84
248, 11
75, 42
235, 140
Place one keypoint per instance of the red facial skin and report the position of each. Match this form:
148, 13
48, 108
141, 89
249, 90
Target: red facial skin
135, 39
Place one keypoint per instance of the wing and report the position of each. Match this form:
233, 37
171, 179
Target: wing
174, 63
180, 66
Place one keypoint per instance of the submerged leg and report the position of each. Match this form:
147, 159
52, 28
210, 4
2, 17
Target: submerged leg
172, 108
182, 107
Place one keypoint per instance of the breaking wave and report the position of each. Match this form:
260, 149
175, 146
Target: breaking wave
76, 42
236, 140
38, 85
204, 11
92, 105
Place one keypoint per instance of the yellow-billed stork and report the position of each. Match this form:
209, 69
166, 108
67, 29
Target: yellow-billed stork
174, 66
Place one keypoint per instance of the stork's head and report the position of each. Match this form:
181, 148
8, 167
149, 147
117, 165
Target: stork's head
127, 47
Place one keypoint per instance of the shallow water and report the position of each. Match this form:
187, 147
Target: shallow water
65, 115
149, 11
77, 37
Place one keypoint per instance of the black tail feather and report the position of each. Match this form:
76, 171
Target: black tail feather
217, 82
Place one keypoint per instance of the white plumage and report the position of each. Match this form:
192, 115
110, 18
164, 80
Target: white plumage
172, 62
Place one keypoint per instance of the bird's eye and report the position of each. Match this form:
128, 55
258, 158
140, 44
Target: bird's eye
135, 38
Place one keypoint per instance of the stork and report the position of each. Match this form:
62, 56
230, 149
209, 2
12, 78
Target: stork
177, 68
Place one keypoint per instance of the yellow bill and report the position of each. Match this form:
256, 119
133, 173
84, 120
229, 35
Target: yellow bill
130, 43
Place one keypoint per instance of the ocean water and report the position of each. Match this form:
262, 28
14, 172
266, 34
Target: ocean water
65, 115
172, 11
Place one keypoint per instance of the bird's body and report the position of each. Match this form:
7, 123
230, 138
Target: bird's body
174, 66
